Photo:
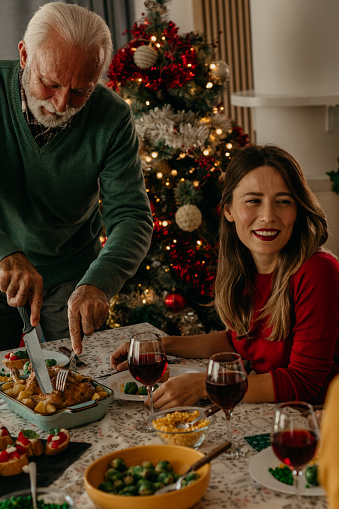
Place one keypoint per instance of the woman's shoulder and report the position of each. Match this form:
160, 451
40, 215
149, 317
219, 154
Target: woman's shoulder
323, 264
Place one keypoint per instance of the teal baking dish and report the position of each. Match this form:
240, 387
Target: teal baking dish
66, 418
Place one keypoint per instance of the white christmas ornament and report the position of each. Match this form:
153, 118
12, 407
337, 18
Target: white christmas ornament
188, 217
145, 57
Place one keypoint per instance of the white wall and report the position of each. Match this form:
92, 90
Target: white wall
179, 11
296, 56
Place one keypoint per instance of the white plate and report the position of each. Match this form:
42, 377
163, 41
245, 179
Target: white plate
259, 466
58, 356
116, 382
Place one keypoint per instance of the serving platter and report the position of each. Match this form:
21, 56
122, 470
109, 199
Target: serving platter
67, 418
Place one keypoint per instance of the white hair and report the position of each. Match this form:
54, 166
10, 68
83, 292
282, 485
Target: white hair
77, 25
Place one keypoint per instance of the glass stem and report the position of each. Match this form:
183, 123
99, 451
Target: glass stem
228, 414
150, 389
297, 487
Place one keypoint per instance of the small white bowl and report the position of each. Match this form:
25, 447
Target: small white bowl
47, 495
188, 438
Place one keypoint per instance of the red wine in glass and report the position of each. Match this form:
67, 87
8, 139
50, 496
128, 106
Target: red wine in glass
295, 448
228, 389
294, 438
148, 368
226, 385
147, 362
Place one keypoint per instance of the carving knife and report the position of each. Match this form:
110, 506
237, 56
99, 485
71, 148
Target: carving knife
34, 350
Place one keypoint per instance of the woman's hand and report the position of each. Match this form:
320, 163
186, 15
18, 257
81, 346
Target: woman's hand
119, 357
180, 390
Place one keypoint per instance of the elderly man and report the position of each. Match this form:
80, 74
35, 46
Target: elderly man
66, 140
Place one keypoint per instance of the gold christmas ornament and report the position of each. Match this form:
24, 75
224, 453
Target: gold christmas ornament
145, 57
188, 217
220, 71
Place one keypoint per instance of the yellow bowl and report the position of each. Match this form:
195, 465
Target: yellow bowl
181, 458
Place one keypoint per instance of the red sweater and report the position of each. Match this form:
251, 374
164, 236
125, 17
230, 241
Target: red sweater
303, 365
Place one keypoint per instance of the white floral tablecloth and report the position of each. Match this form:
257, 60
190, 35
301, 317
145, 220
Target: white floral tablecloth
231, 485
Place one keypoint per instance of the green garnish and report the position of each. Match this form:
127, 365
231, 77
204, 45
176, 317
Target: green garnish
54, 431
29, 433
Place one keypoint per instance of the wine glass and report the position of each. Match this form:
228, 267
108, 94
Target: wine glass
147, 362
226, 385
294, 438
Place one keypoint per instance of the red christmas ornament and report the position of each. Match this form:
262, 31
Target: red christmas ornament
175, 301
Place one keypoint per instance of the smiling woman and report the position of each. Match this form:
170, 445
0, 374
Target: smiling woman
264, 212
276, 291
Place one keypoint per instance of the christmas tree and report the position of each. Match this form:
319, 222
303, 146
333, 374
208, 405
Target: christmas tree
174, 85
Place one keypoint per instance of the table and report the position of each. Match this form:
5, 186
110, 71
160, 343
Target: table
231, 485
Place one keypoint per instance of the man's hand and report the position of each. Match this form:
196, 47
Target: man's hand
88, 308
21, 282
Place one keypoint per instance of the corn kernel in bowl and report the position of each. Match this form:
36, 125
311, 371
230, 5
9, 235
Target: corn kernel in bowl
166, 424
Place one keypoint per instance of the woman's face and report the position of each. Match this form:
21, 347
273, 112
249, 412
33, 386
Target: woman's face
264, 212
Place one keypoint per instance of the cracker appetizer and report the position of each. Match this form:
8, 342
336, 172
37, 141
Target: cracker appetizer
57, 441
31, 442
12, 460
16, 359
5, 438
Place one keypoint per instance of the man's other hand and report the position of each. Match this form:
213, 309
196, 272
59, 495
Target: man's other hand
88, 308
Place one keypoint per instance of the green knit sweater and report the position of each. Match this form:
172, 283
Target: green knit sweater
49, 196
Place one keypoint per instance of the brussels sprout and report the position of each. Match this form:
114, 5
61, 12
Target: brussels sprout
118, 484
130, 388
107, 487
142, 391
158, 485
166, 477
152, 475
146, 488
26, 368
163, 466
118, 464
128, 480
130, 470
50, 362
141, 472
112, 475
147, 464
192, 476
311, 475
130, 491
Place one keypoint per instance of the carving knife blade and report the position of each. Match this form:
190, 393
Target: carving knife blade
34, 350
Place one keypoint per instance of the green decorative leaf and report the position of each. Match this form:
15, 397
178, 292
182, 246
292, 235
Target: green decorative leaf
22, 354
29, 433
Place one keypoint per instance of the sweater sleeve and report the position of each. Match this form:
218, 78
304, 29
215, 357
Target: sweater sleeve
125, 210
315, 294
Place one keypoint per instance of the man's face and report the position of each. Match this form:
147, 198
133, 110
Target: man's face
58, 79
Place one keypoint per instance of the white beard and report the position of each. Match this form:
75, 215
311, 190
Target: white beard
35, 106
